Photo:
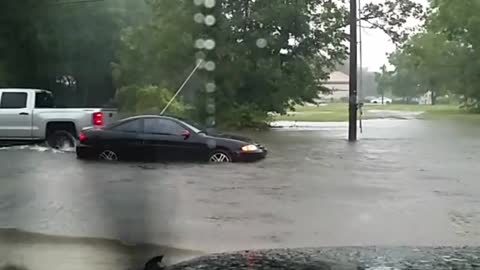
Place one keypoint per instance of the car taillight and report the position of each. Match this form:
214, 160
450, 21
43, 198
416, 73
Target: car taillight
82, 137
98, 119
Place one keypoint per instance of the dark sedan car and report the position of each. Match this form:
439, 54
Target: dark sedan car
164, 138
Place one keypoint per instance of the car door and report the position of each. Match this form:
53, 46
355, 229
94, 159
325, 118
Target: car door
164, 139
15, 118
125, 139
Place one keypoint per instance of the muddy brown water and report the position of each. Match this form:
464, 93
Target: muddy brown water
406, 182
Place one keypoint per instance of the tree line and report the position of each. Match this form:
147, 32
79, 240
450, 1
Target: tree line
443, 57
258, 56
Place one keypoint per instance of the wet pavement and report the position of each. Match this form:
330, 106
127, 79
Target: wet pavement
406, 182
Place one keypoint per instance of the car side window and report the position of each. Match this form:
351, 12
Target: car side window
12, 100
134, 126
162, 127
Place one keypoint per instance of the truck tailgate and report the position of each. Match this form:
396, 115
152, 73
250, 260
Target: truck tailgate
109, 116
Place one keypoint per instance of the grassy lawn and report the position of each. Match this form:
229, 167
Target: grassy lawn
339, 112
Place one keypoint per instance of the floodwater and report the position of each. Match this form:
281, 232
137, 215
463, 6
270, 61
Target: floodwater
406, 182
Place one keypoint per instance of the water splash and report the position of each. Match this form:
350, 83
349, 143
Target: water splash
66, 148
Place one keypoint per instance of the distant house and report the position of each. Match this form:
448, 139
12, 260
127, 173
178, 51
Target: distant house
426, 99
338, 85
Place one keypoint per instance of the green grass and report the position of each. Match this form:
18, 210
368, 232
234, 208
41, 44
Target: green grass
339, 112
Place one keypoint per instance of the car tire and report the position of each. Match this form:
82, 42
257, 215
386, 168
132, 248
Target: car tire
61, 139
220, 156
108, 155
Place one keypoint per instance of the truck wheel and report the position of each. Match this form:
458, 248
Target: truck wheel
62, 140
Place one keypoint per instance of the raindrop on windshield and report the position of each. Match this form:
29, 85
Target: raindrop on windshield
211, 122
211, 108
261, 43
209, 44
198, 2
199, 43
210, 87
200, 55
210, 66
210, 20
199, 18
201, 63
209, 3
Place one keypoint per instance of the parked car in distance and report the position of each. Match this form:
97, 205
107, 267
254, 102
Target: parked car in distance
380, 101
164, 138
368, 99
29, 115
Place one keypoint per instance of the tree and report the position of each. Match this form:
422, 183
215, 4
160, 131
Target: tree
402, 81
441, 58
459, 24
435, 62
269, 54
63, 46
384, 82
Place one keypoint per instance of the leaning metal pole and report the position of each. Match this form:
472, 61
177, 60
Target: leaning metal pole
181, 87
352, 104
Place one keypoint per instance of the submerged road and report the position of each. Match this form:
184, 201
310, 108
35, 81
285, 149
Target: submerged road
406, 182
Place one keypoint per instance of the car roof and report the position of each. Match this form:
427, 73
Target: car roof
141, 117
149, 116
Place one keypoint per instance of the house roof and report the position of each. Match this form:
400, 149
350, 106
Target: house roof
338, 81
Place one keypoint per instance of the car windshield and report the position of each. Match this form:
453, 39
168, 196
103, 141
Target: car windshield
131, 129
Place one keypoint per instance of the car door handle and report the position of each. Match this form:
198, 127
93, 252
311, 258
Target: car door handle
23, 113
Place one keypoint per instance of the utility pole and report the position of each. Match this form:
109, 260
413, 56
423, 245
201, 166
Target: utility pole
352, 104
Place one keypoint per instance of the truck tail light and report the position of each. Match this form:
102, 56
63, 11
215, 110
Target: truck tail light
82, 137
98, 119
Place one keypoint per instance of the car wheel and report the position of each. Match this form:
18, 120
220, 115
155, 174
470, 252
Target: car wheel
61, 140
108, 155
220, 157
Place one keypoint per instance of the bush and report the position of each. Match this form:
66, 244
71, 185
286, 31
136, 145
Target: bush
244, 116
148, 100
443, 101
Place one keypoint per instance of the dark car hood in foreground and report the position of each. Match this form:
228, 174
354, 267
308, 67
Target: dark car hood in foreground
350, 258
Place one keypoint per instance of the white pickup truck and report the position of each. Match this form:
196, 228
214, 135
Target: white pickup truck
29, 115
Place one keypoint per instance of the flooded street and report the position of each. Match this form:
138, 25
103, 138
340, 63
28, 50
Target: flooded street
404, 183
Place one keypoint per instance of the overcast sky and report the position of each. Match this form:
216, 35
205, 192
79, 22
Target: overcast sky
376, 44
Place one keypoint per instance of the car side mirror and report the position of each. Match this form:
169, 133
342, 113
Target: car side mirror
186, 134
